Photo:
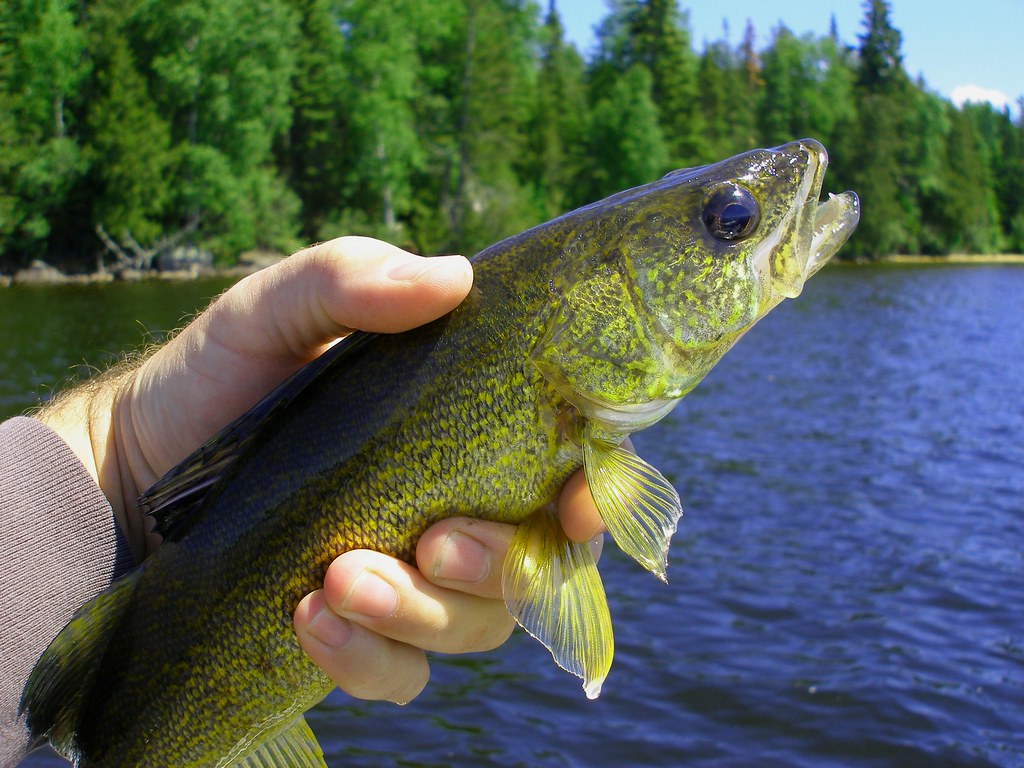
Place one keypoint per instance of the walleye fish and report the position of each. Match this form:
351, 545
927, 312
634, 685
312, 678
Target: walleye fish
575, 334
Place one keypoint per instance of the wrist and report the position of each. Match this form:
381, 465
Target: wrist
87, 419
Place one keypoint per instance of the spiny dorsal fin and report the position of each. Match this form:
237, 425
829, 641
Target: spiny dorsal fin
176, 499
295, 747
638, 505
553, 589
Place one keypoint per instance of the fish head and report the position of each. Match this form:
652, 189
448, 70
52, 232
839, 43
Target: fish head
725, 243
697, 258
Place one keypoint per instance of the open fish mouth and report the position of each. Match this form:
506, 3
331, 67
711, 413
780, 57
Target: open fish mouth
834, 222
819, 229
834, 219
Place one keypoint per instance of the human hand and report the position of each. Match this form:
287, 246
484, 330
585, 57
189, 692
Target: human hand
370, 625
130, 427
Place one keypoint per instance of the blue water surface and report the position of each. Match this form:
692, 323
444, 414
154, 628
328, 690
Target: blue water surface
846, 586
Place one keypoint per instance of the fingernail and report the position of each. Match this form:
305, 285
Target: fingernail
415, 268
462, 558
371, 596
329, 628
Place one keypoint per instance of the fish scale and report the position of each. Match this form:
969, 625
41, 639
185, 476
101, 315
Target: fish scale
575, 334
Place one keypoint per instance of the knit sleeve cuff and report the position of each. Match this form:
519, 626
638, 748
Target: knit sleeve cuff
59, 546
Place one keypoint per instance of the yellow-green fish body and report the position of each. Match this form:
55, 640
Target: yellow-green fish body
575, 334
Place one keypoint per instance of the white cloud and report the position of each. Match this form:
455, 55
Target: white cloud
975, 93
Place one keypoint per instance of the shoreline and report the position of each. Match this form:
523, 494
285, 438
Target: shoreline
956, 258
40, 273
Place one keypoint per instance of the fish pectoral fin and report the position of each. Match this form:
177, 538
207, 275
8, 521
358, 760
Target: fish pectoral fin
294, 747
638, 505
553, 589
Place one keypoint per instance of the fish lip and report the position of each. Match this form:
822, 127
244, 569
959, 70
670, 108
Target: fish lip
811, 159
817, 160
834, 218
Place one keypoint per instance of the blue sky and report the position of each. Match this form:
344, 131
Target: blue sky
959, 46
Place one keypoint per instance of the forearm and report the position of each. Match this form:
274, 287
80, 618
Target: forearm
60, 546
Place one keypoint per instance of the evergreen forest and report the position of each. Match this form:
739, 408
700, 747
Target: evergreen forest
444, 125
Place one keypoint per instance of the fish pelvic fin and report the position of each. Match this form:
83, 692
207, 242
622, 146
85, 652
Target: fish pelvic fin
553, 589
65, 674
638, 505
294, 747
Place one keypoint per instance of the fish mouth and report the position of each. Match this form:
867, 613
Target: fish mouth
834, 222
813, 232
834, 219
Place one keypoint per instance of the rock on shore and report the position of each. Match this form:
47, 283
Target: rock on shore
41, 273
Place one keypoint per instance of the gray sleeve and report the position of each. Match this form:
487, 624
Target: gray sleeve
59, 546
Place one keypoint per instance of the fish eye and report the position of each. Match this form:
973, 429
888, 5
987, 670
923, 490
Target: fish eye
731, 213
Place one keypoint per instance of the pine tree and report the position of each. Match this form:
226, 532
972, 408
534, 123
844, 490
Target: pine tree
558, 126
655, 34
931, 175
128, 141
780, 105
808, 89
881, 141
627, 145
881, 60
1008, 177
972, 215
312, 153
728, 98
752, 83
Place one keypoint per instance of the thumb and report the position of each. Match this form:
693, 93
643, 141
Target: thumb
265, 328
351, 283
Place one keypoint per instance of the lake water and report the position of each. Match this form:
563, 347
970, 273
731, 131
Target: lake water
846, 587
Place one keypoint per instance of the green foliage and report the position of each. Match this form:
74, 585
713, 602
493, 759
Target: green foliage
221, 75
446, 124
381, 61
494, 109
42, 68
730, 84
807, 90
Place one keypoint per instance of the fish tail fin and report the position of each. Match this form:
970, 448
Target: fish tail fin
64, 676
553, 589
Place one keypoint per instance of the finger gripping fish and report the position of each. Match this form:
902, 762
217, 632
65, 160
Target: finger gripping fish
575, 334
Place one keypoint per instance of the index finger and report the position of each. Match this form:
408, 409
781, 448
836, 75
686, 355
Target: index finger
577, 510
